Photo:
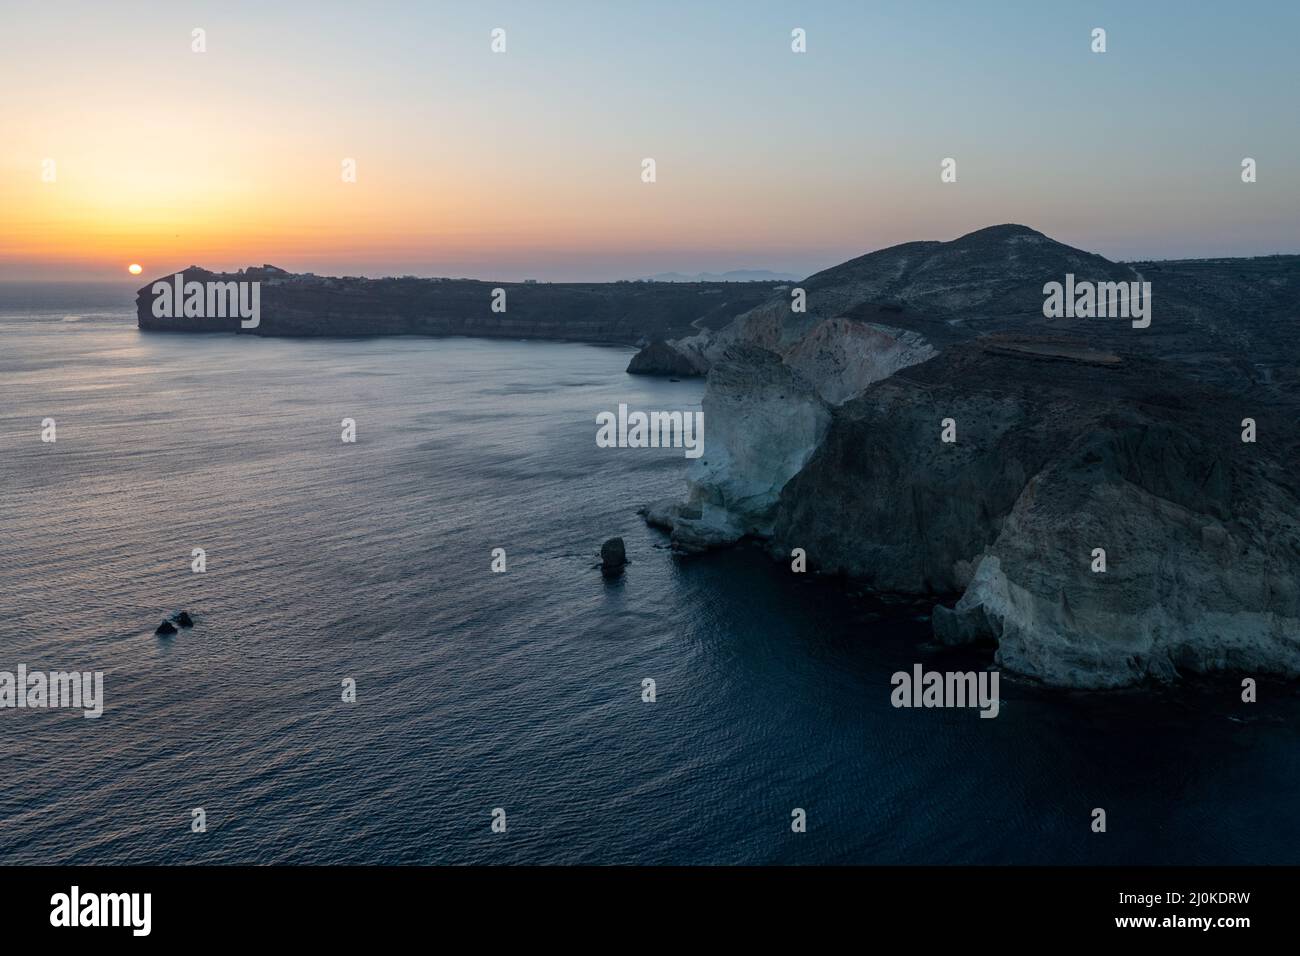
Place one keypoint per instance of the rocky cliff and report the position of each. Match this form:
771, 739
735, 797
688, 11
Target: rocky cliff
826, 432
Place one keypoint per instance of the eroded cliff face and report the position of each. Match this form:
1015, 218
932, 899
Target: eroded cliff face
1200, 532
826, 433
765, 420
1201, 563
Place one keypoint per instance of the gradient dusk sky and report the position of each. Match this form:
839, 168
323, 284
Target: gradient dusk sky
528, 163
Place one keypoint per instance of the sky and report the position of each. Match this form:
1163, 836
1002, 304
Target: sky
528, 163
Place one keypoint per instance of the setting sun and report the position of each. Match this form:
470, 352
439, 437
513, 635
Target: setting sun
134, 268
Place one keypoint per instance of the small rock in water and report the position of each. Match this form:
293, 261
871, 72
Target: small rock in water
612, 556
166, 627
183, 619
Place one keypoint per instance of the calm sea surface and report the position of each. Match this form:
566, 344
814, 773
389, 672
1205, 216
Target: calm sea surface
520, 690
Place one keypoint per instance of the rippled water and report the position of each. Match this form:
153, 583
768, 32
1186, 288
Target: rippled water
519, 690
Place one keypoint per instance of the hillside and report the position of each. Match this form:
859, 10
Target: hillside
826, 432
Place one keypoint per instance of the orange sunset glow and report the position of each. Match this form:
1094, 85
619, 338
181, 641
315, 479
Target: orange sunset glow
528, 164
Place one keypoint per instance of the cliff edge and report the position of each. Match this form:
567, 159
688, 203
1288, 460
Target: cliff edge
303, 304
1107, 503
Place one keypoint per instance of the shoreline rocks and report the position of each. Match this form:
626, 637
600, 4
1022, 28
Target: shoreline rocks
662, 359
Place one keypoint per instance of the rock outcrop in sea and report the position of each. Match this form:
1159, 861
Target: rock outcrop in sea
613, 556
1070, 439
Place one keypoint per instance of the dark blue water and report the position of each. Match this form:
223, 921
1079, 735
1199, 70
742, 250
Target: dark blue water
519, 690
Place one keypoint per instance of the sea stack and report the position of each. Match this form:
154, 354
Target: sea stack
613, 556
166, 628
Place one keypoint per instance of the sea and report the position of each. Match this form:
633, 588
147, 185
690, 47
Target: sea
517, 696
